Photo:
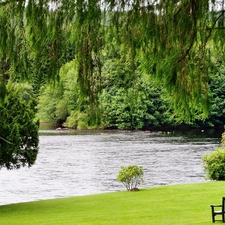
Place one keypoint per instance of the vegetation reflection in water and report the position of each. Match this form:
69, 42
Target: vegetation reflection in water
74, 163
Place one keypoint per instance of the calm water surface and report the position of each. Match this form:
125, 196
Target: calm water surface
72, 163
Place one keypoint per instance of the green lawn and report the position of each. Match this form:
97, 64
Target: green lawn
164, 205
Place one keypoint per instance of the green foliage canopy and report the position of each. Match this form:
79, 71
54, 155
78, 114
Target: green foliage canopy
171, 40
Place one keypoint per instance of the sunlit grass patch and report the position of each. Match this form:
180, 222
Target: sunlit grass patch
164, 205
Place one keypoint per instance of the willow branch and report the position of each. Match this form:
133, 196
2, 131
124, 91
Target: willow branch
213, 26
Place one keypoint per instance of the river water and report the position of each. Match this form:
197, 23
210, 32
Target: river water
72, 163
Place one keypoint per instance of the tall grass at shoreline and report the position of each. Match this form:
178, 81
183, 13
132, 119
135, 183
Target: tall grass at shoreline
164, 205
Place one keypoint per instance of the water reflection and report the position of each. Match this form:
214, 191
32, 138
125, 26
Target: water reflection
74, 163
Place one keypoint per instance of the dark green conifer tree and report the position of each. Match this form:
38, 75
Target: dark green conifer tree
19, 130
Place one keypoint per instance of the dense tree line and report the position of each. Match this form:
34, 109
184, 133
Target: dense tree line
140, 105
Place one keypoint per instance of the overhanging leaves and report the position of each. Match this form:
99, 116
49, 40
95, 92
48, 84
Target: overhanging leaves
171, 40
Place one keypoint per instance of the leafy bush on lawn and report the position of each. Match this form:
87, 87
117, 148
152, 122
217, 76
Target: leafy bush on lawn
131, 176
214, 163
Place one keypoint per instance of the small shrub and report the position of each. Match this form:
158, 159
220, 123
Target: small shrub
214, 163
131, 176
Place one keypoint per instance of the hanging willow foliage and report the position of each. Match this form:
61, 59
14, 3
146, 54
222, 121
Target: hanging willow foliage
172, 40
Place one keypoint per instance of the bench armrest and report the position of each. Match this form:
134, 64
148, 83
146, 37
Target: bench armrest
216, 205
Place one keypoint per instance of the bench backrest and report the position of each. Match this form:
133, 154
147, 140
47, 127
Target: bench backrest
223, 204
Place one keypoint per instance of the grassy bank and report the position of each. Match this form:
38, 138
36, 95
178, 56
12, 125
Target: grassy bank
165, 205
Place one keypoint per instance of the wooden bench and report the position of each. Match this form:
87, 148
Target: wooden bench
218, 210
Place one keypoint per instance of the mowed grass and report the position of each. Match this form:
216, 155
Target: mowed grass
164, 205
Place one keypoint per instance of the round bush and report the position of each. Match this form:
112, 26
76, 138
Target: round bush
131, 176
214, 164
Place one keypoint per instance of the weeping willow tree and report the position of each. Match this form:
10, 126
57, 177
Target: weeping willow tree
171, 40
